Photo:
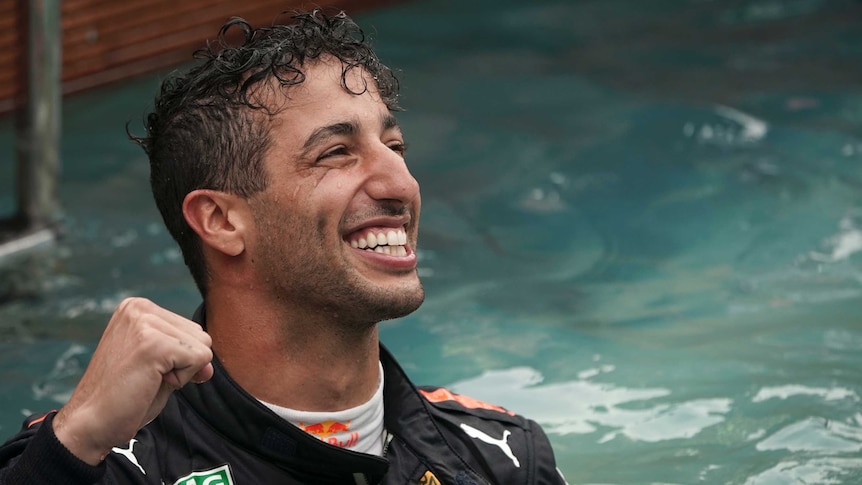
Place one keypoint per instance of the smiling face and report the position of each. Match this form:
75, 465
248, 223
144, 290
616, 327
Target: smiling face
336, 227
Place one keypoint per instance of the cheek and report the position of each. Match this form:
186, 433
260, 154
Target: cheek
317, 204
321, 226
305, 222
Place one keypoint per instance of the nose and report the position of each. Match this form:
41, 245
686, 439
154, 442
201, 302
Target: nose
390, 179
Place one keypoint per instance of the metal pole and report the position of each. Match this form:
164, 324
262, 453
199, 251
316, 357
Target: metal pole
39, 137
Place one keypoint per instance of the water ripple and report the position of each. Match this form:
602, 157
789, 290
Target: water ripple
815, 435
59, 383
823, 471
583, 407
784, 392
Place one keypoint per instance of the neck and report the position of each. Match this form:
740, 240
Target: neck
306, 361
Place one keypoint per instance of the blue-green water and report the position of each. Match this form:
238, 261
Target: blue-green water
642, 227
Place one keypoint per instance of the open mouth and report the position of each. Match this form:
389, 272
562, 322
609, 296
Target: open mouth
390, 241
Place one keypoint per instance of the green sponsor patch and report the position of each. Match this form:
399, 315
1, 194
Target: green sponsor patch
216, 476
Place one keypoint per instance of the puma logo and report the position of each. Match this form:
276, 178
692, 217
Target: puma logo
501, 443
130, 455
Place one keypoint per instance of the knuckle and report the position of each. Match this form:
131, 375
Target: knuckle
146, 338
133, 306
206, 339
204, 354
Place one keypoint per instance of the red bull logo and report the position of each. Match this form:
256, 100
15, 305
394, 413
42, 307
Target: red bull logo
325, 431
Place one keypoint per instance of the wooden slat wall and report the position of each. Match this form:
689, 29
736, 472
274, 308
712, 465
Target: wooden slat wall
12, 44
108, 40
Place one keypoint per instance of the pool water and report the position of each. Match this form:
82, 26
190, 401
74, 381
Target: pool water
642, 227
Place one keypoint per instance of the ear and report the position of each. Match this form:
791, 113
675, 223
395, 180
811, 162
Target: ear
218, 218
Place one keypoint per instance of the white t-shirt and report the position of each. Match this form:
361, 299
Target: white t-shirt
357, 429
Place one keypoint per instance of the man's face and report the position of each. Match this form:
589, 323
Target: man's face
336, 227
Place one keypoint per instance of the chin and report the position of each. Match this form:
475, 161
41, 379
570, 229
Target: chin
396, 304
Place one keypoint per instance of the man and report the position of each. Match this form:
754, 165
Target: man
278, 166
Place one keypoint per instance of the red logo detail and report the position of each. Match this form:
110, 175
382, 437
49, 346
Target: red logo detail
315, 429
326, 430
337, 427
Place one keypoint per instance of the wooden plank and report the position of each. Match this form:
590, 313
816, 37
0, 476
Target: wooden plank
9, 56
12, 56
131, 44
8, 37
105, 41
145, 34
77, 5
130, 13
125, 71
141, 34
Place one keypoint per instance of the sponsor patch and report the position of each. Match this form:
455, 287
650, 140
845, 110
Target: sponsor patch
215, 476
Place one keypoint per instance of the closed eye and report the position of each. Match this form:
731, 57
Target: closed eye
398, 147
336, 151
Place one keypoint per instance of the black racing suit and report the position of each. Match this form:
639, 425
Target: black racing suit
217, 434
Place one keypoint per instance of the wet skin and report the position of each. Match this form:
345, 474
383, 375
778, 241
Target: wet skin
336, 174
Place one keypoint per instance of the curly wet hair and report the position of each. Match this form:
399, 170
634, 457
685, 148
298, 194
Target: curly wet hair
209, 128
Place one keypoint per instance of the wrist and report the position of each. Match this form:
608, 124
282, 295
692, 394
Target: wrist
78, 439
46, 460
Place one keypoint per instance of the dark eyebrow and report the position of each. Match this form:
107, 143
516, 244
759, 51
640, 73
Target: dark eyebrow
389, 122
324, 132
347, 128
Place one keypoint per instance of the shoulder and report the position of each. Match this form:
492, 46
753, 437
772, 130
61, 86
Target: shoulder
466, 408
506, 442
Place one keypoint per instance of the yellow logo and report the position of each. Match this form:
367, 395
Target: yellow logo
429, 479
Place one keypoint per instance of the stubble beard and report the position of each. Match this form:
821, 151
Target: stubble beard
348, 299
304, 278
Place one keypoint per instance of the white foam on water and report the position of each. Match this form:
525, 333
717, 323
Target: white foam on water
582, 406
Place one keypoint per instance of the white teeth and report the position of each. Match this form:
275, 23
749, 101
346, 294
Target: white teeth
391, 242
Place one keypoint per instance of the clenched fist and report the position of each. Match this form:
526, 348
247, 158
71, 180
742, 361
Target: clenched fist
145, 353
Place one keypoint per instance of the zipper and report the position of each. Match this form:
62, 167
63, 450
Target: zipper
387, 438
360, 478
